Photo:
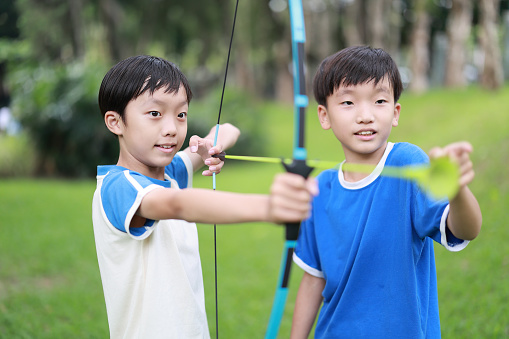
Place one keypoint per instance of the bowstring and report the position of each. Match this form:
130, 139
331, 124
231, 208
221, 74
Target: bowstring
214, 174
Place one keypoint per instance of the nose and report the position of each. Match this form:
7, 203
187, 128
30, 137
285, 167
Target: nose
365, 116
169, 127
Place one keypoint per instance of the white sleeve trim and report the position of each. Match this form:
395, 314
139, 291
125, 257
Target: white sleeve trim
189, 166
307, 268
443, 238
136, 204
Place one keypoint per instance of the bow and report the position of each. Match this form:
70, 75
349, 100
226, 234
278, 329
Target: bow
298, 165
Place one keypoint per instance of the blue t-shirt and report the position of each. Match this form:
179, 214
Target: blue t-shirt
372, 243
122, 187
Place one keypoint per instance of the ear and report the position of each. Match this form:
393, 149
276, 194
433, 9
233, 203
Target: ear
323, 117
114, 122
397, 110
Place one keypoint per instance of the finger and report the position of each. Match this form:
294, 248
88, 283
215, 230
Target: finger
296, 204
207, 173
436, 152
312, 186
466, 178
213, 162
283, 209
282, 216
287, 184
218, 148
194, 143
305, 188
464, 162
291, 194
458, 148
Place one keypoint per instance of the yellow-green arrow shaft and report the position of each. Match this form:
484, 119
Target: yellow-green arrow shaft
440, 178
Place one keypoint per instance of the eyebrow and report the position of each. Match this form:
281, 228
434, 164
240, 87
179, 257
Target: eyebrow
383, 89
164, 103
378, 89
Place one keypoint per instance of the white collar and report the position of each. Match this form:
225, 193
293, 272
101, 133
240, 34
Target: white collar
370, 178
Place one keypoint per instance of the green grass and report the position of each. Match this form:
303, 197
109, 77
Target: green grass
49, 279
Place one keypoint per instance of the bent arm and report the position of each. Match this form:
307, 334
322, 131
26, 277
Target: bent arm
465, 218
309, 299
227, 137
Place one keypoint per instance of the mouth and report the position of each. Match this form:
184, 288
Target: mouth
365, 133
166, 147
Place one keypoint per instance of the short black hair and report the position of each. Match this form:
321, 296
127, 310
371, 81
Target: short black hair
353, 66
131, 77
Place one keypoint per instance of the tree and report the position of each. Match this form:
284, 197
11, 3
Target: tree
492, 75
353, 28
419, 48
459, 24
8, 31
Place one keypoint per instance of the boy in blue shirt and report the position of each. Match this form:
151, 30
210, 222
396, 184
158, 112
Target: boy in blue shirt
144, 208
367, 249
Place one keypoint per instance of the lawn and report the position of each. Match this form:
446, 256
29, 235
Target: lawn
49, 279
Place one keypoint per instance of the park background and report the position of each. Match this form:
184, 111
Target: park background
453, 56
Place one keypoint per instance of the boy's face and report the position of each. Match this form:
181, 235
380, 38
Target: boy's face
361, 117
154, 131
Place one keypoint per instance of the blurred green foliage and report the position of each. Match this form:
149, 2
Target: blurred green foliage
240, 109
57, 105
58, 108
16, 156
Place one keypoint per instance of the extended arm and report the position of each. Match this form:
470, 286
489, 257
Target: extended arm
309, 299
289, 201
465, 217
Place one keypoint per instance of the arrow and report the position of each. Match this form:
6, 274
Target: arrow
439, 178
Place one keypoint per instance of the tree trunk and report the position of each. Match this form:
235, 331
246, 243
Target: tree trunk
284, 77
393, 37
111, 16
321, 39
353, 28
492, 74
419, 49
77, 27
459, 25
383, 25
376, 22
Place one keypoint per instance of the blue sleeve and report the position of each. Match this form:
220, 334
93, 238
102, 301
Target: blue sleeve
121, 195
180, 170
307, 255
306, 252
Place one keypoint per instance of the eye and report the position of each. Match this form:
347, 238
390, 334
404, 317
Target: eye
347, 103
381, 101
182, 115
154, 114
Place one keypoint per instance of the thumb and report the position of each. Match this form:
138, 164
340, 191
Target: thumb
193, 143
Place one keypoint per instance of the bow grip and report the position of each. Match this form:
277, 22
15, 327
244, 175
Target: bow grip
299, 167
221, 156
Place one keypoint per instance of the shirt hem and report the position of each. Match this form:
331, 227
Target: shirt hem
308, 269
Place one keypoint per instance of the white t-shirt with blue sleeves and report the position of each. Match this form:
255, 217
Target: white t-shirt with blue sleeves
372, 242
122, 191
151, 275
